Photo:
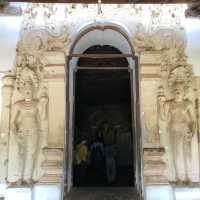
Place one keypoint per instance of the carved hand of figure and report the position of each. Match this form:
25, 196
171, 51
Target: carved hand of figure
44, 97
44, 100
43, 106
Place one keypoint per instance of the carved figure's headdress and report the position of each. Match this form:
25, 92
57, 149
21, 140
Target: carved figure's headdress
180, 74
26, 78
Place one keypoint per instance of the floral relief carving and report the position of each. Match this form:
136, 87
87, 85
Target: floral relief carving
33, 44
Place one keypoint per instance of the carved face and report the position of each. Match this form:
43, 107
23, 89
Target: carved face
179, 90
28, 92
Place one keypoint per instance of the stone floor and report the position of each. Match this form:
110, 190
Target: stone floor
108, 193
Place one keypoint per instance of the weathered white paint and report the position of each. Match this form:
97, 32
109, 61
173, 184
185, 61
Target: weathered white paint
187, 193
10, 28
38, 192
9, 33
46, 192
192, 27
20, 193
155, 192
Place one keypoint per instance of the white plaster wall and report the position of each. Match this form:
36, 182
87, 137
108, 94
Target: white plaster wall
1, 75
167, 192
3, 190
46, 192
10, 28
192, 27
53, 192
38, 192
9, 33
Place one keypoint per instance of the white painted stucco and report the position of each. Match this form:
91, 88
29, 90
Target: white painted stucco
10, 29
9, 33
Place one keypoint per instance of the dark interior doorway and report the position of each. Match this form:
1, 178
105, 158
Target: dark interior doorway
103, 135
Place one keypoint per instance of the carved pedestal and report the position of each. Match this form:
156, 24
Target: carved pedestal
52, 166
154, 166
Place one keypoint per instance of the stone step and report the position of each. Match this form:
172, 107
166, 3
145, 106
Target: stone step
108, 193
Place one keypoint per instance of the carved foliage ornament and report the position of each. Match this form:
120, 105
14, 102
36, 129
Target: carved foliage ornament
42, 31
171, 42
41, 14
146, 40
33, 44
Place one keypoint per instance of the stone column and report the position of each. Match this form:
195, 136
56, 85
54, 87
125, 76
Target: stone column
54, 79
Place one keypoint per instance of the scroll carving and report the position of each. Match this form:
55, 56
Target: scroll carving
170, 42
34, 44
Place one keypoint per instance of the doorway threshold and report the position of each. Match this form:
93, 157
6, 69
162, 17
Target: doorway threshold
102, 193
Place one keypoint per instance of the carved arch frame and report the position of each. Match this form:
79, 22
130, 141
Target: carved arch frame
137, 138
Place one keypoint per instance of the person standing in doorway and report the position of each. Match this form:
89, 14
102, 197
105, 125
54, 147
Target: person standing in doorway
98, 161
109, 138
81, 161
110, 163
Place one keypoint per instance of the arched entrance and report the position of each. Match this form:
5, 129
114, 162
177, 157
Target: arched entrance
103, 108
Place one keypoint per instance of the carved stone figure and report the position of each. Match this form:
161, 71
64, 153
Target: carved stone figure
179, 115
26, 118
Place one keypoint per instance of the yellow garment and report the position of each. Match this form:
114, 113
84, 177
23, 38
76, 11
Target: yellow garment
82, 153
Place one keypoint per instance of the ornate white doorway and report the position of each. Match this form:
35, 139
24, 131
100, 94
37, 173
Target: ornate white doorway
115, 37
